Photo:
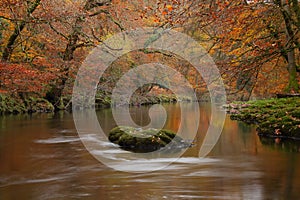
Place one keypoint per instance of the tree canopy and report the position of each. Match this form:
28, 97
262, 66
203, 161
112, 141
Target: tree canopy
255, 44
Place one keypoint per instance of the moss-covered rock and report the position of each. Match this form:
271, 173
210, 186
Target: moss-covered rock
273, 117
139, 140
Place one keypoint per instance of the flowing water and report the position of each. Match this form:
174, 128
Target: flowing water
42, 157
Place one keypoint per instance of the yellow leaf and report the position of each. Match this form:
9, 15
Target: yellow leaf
169, 7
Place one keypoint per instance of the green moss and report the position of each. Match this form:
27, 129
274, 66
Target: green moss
167, 139
296, 113
138, 140
11, 105
114, 137
293, 82
273, 117
15, 105
127, 140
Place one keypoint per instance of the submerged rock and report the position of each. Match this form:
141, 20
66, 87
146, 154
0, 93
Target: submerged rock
139, 140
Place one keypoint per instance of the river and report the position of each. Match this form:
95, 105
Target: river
42, 157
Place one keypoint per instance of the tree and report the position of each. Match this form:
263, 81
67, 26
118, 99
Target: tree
51, 36
19, 26
21, 80
251, 40
75, 38
290, 11
264, 34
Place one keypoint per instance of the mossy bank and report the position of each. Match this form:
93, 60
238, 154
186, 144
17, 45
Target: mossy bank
28, 105
273, 117
10, 104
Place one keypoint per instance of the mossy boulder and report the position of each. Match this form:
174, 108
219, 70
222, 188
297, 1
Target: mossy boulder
139, 140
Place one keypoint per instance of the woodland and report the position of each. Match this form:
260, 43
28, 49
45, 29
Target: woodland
255, 45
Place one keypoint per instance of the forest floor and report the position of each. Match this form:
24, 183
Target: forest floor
279, 118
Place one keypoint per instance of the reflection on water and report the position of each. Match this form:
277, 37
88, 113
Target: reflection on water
283, 144
41, 157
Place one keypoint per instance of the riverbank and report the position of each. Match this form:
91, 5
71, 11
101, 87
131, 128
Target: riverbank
273, 117
12, 105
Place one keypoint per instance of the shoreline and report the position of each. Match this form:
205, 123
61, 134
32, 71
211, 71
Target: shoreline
10, 105
274, 118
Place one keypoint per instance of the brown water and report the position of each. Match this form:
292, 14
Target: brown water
42, 157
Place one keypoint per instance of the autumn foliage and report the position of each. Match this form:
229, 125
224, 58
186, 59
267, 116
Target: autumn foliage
23, 79
255, 44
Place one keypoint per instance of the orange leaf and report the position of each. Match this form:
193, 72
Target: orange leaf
169, 7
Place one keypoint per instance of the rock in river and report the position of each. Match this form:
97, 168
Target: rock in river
139, 140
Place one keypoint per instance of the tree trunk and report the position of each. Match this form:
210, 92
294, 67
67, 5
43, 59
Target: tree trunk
293, 85
68, 54
18, 29
293, 82
296, 9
